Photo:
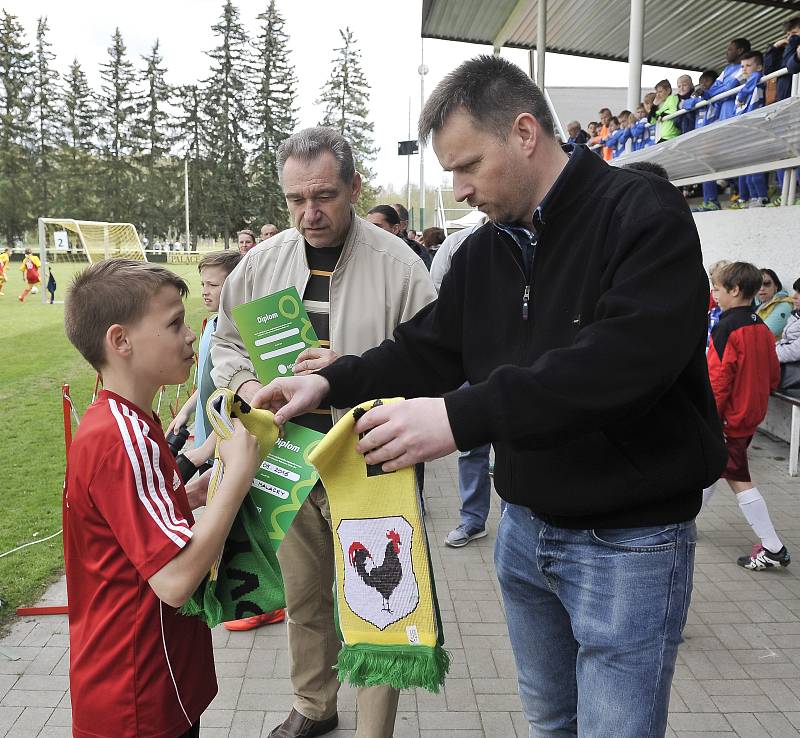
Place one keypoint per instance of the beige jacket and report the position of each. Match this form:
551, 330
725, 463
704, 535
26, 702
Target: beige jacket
378, 283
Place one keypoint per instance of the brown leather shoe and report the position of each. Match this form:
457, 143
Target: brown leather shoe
299, 726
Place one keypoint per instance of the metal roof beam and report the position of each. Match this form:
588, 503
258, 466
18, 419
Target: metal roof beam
512, 23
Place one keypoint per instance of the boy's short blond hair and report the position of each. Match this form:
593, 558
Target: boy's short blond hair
715, 267
741, 274
226, 260
115, 291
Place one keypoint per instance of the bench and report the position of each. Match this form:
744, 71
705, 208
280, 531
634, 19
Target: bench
783, 422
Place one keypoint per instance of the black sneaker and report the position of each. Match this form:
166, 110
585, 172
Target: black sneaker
760, 559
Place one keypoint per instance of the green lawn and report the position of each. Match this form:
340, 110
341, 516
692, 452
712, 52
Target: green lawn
36, 359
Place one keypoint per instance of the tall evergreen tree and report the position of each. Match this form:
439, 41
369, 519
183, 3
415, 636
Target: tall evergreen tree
191, 144
16, 132
346, 99
274, 115
78, 152
228, 96
157, 185
117, 132
46, 121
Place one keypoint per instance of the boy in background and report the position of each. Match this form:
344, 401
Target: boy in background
752, 187
685, 89
132, 550
743, 369
664, 104
214, 269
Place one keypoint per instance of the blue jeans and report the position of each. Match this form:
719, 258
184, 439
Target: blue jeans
474, 486
595, 619
710, 192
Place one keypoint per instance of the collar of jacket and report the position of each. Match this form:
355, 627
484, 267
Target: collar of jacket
349, 241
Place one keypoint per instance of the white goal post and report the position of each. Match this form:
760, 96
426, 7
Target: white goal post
65, 240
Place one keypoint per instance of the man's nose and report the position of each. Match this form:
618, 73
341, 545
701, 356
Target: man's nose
461, 188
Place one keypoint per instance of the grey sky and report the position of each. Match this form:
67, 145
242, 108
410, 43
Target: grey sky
388, 34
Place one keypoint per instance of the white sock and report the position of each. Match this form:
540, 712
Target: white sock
754, 509
707, 492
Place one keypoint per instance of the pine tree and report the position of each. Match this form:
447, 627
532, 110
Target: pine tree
16, 132
228, 95
346, 99
117, 133
77, 155
274, 117
156, 190
191, 144
46, 122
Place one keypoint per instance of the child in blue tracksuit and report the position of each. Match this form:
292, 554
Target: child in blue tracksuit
730, 78
641, 130
618, 137
752, 187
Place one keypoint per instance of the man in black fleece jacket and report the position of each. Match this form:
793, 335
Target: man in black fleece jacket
578, 317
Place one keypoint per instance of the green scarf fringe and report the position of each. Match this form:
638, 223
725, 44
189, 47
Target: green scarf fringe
402, 667
210, 612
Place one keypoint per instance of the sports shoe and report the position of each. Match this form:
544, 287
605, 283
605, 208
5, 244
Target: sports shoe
757, 202
256, 621
707, 207
462, 535
760, 559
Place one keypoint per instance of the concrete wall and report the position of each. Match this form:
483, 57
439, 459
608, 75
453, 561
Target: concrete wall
583, 103
767, 237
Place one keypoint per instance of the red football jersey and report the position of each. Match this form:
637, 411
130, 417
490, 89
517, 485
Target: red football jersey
137, 667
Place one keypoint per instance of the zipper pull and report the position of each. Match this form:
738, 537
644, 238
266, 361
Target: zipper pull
526, 298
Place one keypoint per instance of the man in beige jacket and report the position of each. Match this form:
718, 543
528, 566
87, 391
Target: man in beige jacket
357, 283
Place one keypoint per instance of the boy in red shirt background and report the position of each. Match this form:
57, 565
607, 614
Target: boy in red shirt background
132, 549
743, 368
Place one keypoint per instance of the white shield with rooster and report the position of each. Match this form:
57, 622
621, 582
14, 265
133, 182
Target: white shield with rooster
380, 585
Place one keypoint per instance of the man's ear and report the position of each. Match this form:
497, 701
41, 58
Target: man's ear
527, 131
356, 191
117, 341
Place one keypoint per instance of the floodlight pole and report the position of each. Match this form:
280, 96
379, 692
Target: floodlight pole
408, 165
186, 201
541, 41
422, 70
635, 54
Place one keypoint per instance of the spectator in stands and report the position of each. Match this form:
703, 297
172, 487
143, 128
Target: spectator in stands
664, 104
788, 348
785, 52
619, 134
752, 187
647, 101
707, 78
414, 243
685, 90
610, 141
743, 370
591, 128
268, 230
385, 217
576, 134
602, 133
431, 239
246, 240
714, 309
730, 78
641, 129
773, 304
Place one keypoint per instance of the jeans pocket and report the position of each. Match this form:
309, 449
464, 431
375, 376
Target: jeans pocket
643, 540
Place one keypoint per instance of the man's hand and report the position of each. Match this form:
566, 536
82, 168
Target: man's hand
247, 390
313, 359
405, 433
289, 397
197, 490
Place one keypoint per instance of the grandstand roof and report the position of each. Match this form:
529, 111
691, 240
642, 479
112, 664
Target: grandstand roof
684, 34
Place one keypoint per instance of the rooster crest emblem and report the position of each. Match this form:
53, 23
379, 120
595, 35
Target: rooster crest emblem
380, 589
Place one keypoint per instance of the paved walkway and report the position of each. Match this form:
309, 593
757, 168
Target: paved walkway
738, 671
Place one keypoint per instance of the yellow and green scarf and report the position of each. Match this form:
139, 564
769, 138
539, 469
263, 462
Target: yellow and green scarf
386, 608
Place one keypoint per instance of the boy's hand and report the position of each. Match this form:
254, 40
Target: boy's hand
197, 490
181, 419
240, 454
292, 396
313, 359
203, 453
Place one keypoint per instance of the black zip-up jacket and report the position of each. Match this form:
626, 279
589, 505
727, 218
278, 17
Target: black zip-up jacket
598, 403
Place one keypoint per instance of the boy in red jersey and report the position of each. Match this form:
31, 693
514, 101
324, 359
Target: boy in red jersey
743, 369
132, 550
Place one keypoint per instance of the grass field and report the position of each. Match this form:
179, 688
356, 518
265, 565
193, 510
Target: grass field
36, 359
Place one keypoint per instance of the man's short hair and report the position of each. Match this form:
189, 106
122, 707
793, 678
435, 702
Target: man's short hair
792, 23
741, 274
492, 91
388, 212
311, 143
757, 55
401, 211
247, 232
710, 74
432, 236
648, 166
741, 43
226, 260
110, 292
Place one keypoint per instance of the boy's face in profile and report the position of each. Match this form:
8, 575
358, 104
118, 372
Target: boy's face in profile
796, 299
727, 299
160, 342
749, 66
662, 93
211, 280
